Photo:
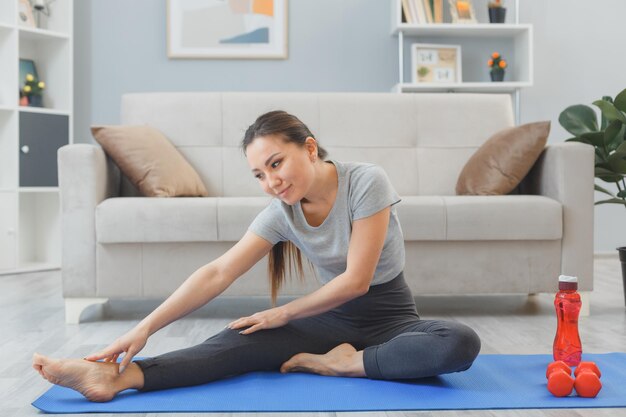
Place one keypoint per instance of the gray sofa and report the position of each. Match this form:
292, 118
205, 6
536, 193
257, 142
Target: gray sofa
117, 244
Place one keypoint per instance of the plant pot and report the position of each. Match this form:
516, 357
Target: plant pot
35, 101
497, 74
497, 14
622, 258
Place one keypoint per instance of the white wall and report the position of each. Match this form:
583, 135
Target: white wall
579, 57
345, 45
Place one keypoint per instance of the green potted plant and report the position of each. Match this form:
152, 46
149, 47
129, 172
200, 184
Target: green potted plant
497, 12
497, 65
33, 90
609, 141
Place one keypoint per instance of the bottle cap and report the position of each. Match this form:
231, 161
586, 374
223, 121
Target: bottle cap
568, 283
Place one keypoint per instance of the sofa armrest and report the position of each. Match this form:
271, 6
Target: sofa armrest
86, 177
565, 172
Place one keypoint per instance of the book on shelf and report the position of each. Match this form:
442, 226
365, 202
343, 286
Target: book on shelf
421, 11
428, 6
438, 11
406, 11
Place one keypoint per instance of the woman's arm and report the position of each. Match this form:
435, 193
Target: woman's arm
208, 282
201, 287
366, 244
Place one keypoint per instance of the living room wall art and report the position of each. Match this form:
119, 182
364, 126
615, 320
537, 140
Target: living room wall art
227, 29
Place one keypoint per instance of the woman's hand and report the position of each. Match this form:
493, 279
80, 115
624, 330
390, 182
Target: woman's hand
268, 319
131, 343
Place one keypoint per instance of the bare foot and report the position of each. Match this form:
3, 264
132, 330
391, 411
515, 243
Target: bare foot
95, 380
343, 360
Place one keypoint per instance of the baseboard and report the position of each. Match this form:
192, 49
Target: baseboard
606, 255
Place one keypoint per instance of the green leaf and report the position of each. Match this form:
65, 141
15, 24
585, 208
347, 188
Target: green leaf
610, 111
579, 119
621, 148
620, 100
612, 201
607, 175
594, 138
612, 137
617, 161
603, 190
603, 120
622, 194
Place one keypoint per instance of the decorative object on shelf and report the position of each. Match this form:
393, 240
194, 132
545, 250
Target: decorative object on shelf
497, 12
462, 11
497, 65
609, 141
41, 7
25, 14
239, 29
31, 88
435, 63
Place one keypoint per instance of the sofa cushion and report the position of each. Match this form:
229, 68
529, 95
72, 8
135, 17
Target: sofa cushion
501, 163
514, 217
507, 217
141, 219
149, 161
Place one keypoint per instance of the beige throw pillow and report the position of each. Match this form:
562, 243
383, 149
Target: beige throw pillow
149, 161
500, 164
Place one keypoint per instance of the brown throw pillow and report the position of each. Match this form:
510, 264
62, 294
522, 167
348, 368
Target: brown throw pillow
149, 161
500, 164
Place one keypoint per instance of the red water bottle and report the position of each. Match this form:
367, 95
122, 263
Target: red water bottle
567, 346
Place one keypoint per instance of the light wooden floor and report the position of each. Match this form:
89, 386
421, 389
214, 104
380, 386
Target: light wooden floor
32, 320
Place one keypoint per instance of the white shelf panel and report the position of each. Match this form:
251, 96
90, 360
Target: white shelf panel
455, 30
35, 34
5, 27
43, 110
39, 189
31, 267
478, 87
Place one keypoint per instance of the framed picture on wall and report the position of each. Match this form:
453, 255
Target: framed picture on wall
435, 63
227, 29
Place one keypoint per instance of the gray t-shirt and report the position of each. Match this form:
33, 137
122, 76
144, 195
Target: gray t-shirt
363, 190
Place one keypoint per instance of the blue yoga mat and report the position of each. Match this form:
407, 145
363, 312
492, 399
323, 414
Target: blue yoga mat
493, 382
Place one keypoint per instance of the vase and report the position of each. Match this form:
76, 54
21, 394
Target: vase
622, 258
497, 74
35, 101
497, 14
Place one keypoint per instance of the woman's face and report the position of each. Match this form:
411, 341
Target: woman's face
283, 169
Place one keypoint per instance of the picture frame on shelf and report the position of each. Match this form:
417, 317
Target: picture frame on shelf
435, 63
27, 66
238, 30
462, 11
25, 15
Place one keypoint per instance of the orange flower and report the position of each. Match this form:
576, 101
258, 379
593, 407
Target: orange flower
490, 63
495, 55
502, 64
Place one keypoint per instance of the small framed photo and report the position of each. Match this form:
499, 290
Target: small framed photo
222, 29
25, 14
27, 66
435, 63
462, 11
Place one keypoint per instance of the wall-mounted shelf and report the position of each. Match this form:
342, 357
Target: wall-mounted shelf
513, 40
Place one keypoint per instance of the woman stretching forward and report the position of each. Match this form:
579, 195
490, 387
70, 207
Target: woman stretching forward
361, 323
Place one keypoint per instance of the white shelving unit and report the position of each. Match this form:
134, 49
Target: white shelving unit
517, 37
30, 230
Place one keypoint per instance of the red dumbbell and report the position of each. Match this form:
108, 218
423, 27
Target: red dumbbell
560, 381
587, 383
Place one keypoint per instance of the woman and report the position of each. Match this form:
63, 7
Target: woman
361, 323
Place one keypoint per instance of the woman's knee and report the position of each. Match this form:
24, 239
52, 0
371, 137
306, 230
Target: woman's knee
465, 345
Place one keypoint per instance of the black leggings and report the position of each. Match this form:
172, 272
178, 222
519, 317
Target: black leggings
384, 323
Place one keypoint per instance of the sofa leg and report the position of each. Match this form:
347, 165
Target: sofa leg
585, 309
75, 306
